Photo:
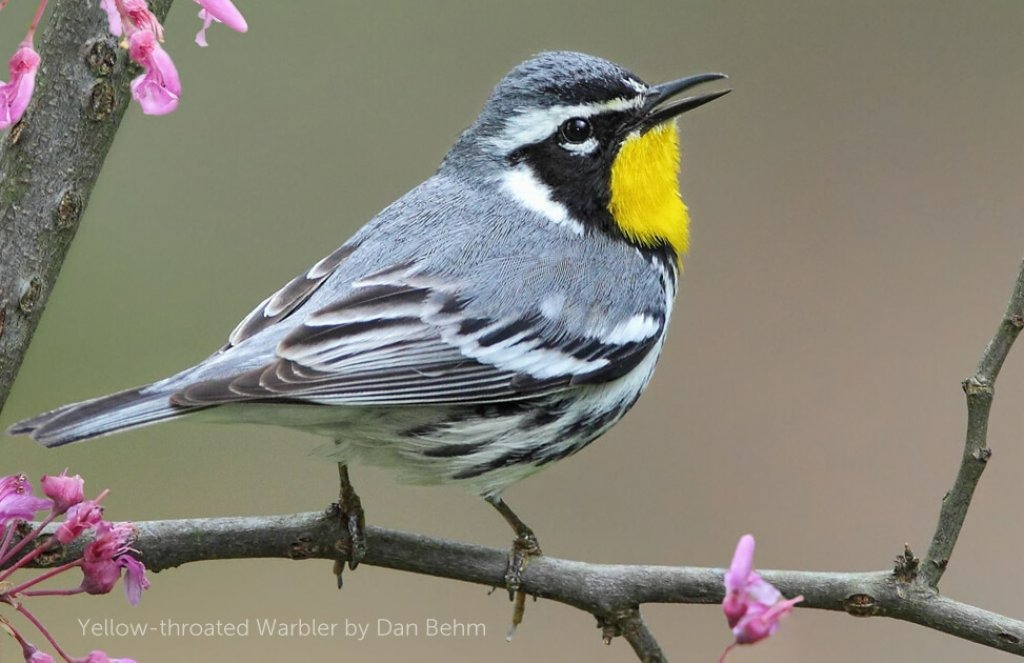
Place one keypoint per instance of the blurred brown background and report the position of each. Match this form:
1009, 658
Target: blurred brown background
858, 219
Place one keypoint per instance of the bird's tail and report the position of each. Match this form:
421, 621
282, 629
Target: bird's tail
100, 416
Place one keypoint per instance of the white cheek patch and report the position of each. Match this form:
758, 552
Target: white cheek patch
529, 126
524, 186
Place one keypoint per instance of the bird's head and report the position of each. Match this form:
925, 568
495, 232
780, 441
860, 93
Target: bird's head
587, 144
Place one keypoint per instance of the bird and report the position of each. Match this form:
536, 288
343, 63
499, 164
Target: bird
495, 319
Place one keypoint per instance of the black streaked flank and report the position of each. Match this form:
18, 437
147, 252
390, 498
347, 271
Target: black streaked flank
452, 450
544, 416
592, 422
525, 455
566, 452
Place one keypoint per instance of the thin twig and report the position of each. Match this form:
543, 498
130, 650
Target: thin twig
979, 389
605, 591
634, 630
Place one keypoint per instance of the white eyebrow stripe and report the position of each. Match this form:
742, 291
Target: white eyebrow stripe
529, 126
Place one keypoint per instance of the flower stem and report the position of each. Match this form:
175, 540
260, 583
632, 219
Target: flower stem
19, 589
42, 629
8, 535
53, 592
35, 20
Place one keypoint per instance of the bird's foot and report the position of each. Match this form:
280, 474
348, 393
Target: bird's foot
524, 547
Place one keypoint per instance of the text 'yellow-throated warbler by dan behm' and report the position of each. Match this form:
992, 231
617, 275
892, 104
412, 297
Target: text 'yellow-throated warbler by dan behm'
498, 317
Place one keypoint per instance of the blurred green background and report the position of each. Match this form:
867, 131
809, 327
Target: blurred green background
858, 219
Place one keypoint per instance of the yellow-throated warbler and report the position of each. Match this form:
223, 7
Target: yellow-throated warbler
498, 317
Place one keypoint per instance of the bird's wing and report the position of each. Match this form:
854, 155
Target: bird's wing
402, 336
285, 301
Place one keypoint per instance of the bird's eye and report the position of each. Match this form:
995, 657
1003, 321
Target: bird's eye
575, 130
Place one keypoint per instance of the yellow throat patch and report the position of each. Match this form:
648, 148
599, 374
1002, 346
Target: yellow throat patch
645, 200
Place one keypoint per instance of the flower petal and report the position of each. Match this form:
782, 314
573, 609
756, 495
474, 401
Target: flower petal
15, 95
742, 564
134, 578
158, 88
65, 491
225, 12
113, 17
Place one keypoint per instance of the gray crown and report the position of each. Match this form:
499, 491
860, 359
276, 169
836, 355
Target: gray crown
548, 79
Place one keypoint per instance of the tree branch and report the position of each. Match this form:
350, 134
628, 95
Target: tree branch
49, 163
612, 593
634, 630
980, 389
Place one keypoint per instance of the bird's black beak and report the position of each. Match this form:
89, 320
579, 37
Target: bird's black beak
658, 110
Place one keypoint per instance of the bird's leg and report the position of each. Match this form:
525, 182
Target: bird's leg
350, 513
524, 546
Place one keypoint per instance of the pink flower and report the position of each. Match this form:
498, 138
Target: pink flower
221, 11
65, 491
17, 501
752, 606
104, 558
79, 518
158, 88
132, 16
100, 577
15, 95
134, 578
111, 540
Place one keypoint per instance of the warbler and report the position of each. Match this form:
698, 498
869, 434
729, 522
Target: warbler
498, 317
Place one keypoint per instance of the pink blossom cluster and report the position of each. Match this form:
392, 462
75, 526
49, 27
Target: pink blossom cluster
157, 89
752, 605
104, 558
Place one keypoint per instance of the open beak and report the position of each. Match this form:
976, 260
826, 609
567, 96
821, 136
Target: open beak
656, 105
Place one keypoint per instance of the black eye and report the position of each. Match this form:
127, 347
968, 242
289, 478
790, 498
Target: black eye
575, 130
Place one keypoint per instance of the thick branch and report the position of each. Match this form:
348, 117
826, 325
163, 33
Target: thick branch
49, 163
979, 389
610, 592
